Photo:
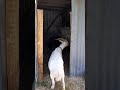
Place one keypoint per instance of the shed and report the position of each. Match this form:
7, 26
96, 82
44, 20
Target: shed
102, 45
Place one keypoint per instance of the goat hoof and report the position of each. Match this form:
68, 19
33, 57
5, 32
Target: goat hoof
63, 89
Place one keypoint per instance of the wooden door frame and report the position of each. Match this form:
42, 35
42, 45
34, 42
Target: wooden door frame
12, 43
38, 43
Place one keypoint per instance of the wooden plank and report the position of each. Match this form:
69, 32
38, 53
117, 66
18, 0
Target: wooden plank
12, 43
54, 3
40, 43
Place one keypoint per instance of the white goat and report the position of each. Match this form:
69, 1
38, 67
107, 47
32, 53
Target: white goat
56, 64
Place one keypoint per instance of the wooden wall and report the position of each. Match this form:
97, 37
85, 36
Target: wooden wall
3, 77
103, 45
12, 43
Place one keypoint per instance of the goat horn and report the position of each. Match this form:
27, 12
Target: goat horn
62, 39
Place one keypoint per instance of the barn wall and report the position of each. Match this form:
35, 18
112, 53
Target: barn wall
103, 45
77, 53
12, 43
50, 32
3, 77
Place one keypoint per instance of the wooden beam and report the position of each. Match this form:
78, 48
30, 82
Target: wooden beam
40, 43
12, 43
54, 3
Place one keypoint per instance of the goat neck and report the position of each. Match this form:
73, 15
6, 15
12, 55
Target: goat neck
62, 45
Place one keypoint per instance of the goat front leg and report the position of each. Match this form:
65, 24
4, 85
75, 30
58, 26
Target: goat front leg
53, 82
63, 83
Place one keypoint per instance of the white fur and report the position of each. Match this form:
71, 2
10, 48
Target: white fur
56, 64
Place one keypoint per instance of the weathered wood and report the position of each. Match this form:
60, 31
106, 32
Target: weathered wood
40, 43
12, 43
3, 77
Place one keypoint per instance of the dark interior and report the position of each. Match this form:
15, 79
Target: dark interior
55, 20
26, 43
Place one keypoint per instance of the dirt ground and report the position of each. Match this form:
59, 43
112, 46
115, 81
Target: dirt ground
74, 83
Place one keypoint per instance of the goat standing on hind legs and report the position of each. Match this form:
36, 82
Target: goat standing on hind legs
56, 64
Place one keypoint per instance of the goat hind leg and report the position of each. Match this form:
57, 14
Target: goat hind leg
63, 83
53, 82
